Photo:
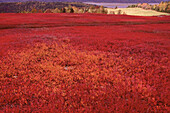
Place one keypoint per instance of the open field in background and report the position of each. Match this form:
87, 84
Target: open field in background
137, 12
84, 63
113, 5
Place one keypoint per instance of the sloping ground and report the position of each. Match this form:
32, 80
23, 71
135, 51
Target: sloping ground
84, 63
137, 12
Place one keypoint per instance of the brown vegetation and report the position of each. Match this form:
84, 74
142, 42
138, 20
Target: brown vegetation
50, 7
28, 7
162, 7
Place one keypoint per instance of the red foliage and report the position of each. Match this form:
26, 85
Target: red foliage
84, 63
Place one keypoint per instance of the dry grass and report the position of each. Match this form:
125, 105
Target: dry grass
137, 12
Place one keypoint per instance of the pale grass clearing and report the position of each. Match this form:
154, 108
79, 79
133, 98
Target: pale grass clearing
136, 12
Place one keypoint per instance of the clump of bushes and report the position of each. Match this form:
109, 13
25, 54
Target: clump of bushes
48, 11
72, 9
119, 12
97, 9
162, 7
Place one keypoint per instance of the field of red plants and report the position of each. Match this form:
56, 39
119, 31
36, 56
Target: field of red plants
84, 63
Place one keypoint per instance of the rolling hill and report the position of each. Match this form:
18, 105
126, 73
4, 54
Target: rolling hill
116, 1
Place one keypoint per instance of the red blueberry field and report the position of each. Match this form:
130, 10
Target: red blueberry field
84, 63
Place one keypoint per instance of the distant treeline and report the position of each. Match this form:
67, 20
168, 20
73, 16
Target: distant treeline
109, 1
162, 7
30, 7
